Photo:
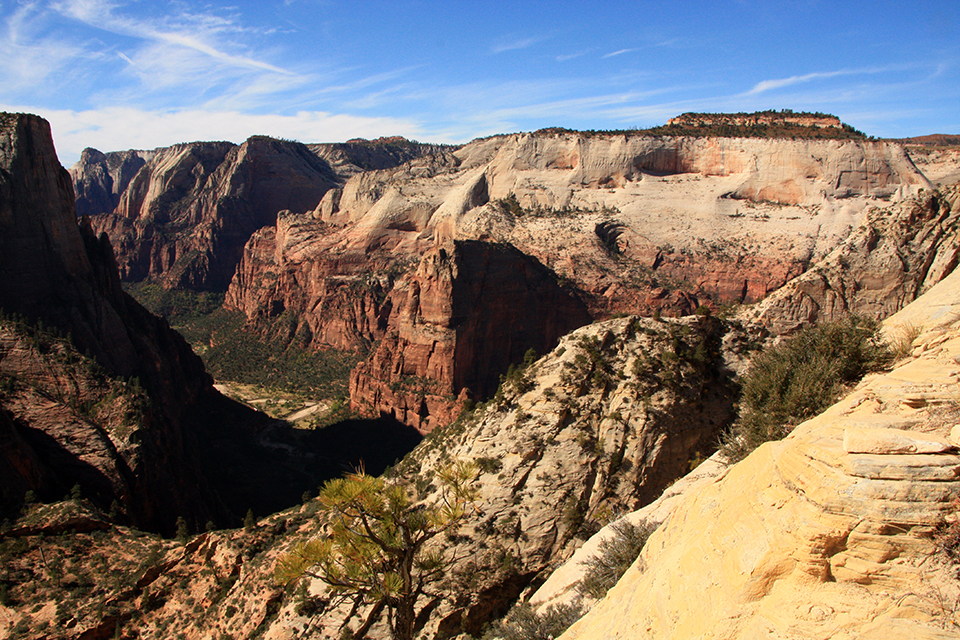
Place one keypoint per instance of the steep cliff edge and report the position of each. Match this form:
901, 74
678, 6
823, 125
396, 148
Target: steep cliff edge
57, 275
598, 426
826, 533
469, 312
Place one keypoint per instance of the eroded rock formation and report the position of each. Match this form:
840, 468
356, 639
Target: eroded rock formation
826, 533
468, 313
181, 215
893, 256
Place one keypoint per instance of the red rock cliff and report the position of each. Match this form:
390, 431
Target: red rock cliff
470, 310
58, 275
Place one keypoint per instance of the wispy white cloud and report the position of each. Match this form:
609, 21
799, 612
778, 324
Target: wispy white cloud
572, 56
199, 32
779, 83
515, 44
770, 85
617, 53
118, 128
30, 56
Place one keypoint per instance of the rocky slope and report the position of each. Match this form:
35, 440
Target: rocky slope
828, 533
632, 223
894, 255
597, 427
941, 164
181, 215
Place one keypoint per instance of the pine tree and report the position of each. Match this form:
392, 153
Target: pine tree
376, 550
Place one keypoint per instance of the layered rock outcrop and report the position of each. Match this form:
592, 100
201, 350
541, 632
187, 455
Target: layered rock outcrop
181, 215
828, 533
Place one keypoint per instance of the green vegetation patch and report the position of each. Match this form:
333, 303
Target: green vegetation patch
760, 124
525, 623
178, 306
277, 354
616, 554
798, 379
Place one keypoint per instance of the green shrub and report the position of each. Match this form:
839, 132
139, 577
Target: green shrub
798, 379
947, 537
616, 555
524, 623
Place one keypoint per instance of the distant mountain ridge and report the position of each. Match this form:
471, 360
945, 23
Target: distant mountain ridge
932, 140
180, 215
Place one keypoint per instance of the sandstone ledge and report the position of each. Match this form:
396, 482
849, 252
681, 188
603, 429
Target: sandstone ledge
804, 539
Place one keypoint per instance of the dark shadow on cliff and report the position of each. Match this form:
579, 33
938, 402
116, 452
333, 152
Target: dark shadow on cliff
257, 462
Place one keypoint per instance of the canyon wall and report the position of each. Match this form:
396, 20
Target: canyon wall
470, 311
632, 223
180, 215
56, 276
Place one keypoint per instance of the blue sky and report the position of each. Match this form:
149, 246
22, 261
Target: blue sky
126, 74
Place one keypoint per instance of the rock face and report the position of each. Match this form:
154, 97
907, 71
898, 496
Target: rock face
468, 313
827, 533
181, 215
634, 223
896, 254
57, 275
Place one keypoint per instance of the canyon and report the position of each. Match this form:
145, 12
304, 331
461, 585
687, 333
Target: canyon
625, 222
571, 311
101, 395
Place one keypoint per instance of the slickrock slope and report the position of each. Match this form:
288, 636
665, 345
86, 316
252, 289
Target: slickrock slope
181, 215
827, 533
893, 256
58, 275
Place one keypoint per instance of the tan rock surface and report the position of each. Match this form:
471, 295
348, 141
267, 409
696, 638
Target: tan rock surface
803, 539
941, 165
893, 256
